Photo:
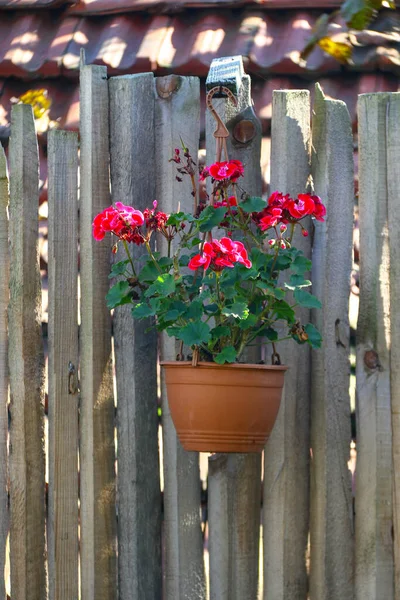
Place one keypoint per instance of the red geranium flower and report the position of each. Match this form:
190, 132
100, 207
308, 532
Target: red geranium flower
123, 221
319, 208
271, 219
226, 170
219, 254
303, 206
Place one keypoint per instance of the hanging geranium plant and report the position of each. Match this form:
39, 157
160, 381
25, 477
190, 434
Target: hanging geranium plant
230, 276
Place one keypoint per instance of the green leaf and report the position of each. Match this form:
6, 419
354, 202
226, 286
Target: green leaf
314, 336
142, 310
358, 13
195, 310
165, 261
251, 321
301, 265
194, 333
297, 281
259, 259
211, 309
184, 260
253, 204
164, 285
178, 218
238, 310
228, 354
277, 292
149, 273
211, 217
271, 334
220, 331
119, 294
283, 310
118, 268
306, 299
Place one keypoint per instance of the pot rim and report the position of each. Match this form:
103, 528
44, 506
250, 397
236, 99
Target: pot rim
212, 365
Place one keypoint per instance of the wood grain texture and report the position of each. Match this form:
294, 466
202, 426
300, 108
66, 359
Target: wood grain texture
4, 298
286, 456
331, 527
178, 116
27, 472
62, 526
139, 496
393, 187
374, 510
97, 450
235, 480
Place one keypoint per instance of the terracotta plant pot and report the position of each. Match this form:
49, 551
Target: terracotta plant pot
223, 408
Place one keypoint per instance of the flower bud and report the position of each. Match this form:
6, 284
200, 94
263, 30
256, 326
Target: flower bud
283, 228
283, 245
272, 243
114, 249
155, 203
304, 233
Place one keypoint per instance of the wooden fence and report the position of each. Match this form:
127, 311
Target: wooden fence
106, 529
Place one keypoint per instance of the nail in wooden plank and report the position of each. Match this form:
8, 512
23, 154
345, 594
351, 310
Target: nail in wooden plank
139, 495
62, 525
331, 515
27, 471
178, 116
97, 451
374, 575
286, 456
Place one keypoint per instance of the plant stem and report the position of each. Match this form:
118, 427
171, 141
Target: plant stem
125, 243
152, 257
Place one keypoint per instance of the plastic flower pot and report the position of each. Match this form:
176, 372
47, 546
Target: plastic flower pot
223, 408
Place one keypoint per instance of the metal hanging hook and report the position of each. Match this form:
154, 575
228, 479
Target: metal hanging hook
221, 133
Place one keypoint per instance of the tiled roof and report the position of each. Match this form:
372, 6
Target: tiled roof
47, 43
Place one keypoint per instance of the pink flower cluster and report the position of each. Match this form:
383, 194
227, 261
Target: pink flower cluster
284, 209
123, 221
219, 254
220, 171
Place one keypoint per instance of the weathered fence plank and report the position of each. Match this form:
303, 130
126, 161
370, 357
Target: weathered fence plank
97, 451
62, 526
27, 485
4, 297
235, 480
374, 519
331, 515
178, 116
139, 496
286, 456
393, 183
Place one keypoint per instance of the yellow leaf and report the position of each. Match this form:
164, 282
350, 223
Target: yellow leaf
38, 99
341, 51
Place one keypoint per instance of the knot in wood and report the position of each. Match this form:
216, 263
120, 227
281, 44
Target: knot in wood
244, 131
166, 86
371, 359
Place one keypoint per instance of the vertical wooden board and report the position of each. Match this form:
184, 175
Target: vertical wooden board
286, 455
393, 184
62, 526
27, 461
374, 519
178, 116
139, 495
97, 450
331, 515
4, 298
235, 533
